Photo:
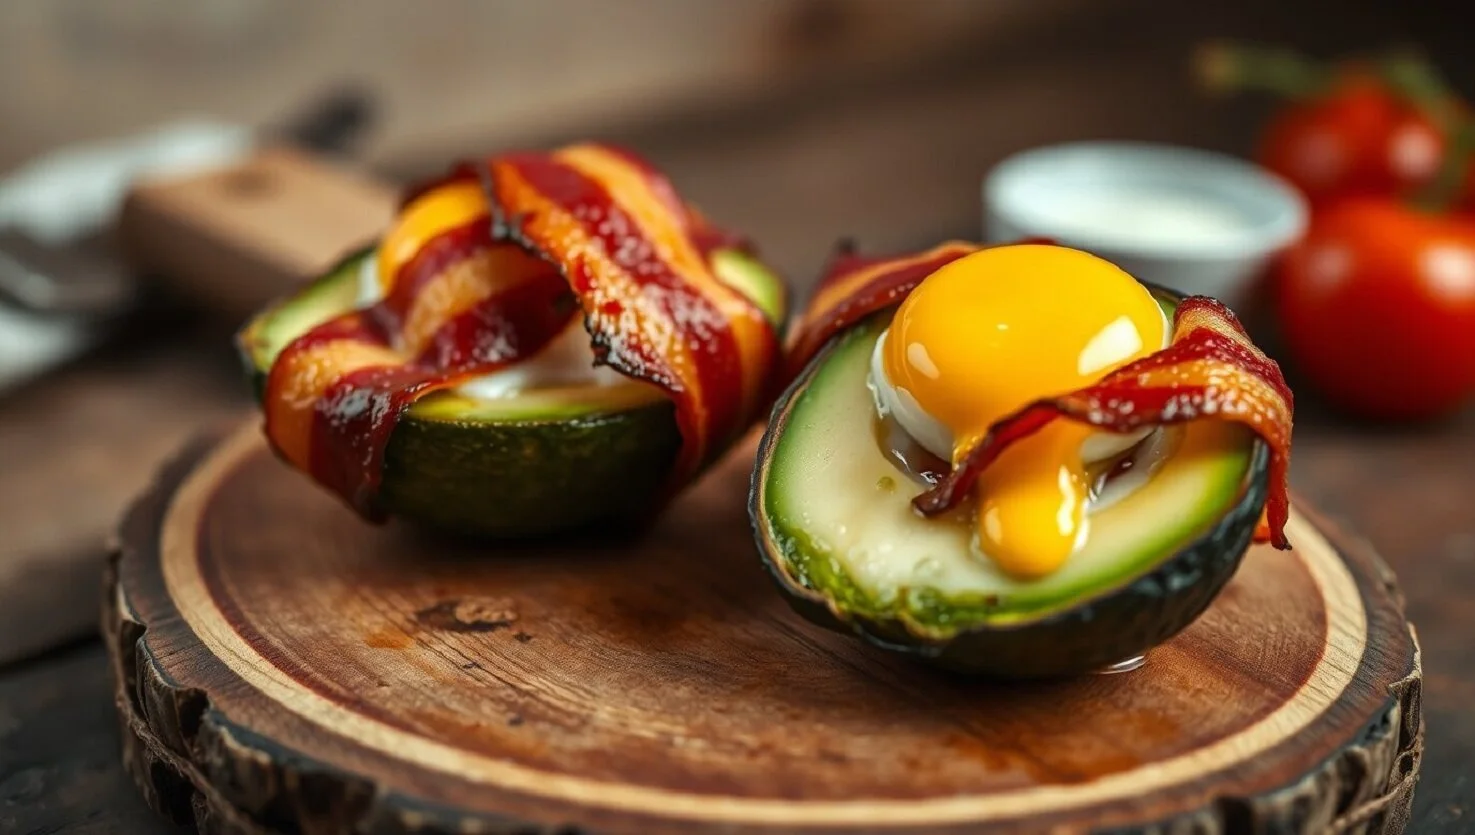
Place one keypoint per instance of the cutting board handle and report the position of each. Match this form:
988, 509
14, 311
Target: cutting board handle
236, 237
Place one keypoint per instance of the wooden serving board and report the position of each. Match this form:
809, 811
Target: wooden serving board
281, 666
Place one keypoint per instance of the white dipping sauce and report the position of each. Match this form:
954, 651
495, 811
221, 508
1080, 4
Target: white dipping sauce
1195, 221
1133, 217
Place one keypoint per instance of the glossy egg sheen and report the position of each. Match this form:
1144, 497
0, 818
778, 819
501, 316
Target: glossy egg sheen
995, 330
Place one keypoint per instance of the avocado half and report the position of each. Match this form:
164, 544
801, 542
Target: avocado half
833, 521
550, 460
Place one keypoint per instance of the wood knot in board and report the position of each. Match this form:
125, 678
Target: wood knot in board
387, 639
469, 614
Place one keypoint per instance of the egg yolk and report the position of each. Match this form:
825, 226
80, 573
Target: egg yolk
442, 208
995, 330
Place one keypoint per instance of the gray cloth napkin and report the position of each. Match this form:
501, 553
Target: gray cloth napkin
73, 192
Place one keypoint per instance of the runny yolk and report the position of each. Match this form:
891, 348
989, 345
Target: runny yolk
995, 330
442, 208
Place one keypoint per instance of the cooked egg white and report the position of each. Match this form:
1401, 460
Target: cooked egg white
991, 332
567, 360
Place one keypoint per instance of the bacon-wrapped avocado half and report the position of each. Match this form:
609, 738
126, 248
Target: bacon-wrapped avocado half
1016, 461
540, 342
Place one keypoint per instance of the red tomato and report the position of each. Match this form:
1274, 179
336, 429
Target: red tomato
1361, 139
1377, 304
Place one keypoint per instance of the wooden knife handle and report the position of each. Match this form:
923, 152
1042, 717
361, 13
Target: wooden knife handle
236, 237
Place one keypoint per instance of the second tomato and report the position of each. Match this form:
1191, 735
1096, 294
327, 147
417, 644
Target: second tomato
1377, 304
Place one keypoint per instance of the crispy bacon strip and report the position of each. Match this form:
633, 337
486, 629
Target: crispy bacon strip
1210, 370
463, 306
585, 227
638, 259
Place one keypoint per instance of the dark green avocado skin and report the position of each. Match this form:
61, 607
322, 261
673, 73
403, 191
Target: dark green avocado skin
1115, 625
529, 479
526, 479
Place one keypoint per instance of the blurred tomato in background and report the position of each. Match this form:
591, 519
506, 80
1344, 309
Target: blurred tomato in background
1379, 126
1376, 305
1358, 140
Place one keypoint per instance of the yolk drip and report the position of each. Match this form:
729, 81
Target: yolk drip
995, 330
442, 208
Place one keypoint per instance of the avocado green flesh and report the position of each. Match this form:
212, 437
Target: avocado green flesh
547, 460
839, 514
748, 275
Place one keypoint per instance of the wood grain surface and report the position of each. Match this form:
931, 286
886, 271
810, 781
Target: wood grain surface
75, 448
282, 666
59, 767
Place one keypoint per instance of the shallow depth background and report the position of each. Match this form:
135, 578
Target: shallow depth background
797, 121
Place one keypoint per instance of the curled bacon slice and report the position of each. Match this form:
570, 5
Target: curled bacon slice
1209, 371
586, 228
463, 306
638, 259
854, 286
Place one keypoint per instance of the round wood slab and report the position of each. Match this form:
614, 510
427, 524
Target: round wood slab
283, 667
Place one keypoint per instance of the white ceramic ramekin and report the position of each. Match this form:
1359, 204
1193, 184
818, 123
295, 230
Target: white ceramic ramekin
1195, 221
